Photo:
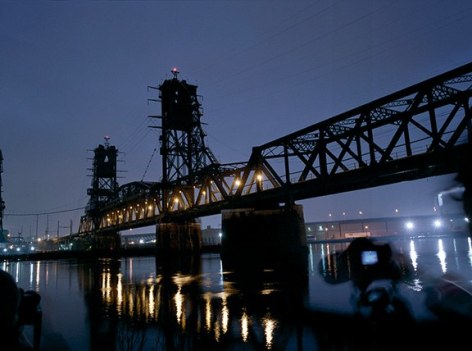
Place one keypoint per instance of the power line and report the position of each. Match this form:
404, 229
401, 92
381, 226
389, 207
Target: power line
43, 213
149, 163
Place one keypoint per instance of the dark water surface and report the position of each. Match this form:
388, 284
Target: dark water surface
142, 303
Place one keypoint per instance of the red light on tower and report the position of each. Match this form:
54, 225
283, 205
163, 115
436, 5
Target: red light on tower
175, 72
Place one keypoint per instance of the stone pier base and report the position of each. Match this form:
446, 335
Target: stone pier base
271, 237
178, 237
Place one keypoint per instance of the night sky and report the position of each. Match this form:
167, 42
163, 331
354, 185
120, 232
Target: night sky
74, 72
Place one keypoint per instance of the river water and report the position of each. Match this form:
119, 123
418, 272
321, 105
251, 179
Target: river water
143, 303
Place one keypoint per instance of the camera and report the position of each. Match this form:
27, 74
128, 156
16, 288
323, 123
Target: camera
374, 271
369, 257
363, 262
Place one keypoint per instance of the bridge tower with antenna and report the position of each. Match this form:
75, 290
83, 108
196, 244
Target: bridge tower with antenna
185, 157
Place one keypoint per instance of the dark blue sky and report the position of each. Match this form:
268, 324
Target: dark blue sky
73, 72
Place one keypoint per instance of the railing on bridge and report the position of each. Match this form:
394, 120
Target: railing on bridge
417, 132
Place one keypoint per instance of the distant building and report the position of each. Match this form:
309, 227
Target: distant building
211, 236
389, 226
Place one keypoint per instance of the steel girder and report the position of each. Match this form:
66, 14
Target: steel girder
428, 118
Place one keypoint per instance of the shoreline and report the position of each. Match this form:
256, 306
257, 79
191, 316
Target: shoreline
151, 251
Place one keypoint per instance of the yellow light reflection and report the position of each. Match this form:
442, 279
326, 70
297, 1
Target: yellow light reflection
207, 298
267, 291
151, 302
216, 330
106, 287
179, 300
269, 329
119, 294
244, 326
224, 316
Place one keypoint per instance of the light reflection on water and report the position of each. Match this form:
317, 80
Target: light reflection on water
451, 253
139, 303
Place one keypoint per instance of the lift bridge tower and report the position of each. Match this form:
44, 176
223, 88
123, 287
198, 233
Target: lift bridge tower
103, 190
185, 157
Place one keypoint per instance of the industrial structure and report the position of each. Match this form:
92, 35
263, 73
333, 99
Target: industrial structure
421, 131
103, 190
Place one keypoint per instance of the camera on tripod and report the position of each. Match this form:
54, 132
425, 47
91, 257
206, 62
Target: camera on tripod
374, 271
363, 262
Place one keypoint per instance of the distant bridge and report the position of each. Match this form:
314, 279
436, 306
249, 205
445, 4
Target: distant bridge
418, 132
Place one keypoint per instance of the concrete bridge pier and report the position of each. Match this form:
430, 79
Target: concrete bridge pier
109, 242
268, 238
176, 237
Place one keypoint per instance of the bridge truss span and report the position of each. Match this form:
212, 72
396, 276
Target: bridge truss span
418, 132
410, 134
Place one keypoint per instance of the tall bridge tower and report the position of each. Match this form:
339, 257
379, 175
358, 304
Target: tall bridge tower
185, 157
104, 189
104, 184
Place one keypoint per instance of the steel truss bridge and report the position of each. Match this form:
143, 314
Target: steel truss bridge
418, 132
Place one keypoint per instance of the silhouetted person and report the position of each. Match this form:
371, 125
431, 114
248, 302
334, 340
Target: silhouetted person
9, 304
15, 305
